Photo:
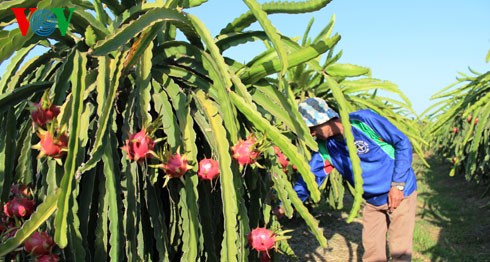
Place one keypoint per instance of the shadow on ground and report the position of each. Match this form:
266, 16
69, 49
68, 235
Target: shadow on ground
457, 212
344, 240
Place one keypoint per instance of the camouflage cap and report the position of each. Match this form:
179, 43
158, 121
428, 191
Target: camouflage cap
315, 111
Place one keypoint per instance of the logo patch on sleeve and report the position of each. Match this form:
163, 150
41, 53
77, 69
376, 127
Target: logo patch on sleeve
362, 147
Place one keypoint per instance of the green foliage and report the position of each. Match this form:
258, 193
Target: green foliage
459, 127
121, 70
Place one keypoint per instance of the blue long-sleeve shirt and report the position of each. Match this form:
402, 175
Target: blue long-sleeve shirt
385, 154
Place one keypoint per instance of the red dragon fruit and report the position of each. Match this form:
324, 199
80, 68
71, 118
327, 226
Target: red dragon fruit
244, 151
283, 160
44, 112
51, 145
139, 146
19, 207
261, 239
39, 243
208, 169
176, 166
48, 258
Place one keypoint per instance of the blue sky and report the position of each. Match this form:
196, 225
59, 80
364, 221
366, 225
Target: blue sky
420, 45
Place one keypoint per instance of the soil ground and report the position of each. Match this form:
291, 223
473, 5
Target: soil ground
453, 223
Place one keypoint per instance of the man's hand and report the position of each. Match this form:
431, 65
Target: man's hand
278, 211
395, 197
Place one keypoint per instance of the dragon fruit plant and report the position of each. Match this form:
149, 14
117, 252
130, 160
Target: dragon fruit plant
78, 125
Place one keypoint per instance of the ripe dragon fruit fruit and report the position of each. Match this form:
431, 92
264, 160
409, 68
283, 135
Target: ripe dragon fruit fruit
244, 151
261, 239
208, 169
175, 166
48, 258
51, 145
283, 160
39, 243
139, 146
19, 207
44, 112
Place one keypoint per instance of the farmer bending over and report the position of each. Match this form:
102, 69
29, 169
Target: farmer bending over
386, 163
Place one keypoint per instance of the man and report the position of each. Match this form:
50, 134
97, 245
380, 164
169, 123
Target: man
386, 163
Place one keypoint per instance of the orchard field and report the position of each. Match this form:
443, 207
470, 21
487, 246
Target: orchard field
133, 138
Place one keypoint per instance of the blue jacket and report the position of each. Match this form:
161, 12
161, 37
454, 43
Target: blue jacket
384, 151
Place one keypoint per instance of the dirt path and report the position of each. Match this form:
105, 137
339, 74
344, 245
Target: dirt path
344, 240
453, 224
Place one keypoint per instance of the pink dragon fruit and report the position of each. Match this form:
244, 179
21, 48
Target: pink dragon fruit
44, 112
51, 145
39, 243
19, 207
48, 258
261, 239
208, 169
281, 157
139, 146
175, 166
244, 151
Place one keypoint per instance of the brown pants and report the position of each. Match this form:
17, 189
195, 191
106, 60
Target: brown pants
399, 225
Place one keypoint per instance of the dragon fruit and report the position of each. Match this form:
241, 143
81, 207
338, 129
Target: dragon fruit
208, 169
51, 145
48, 258
175, 166
281, 157
44, 112
19, 207
39, 243
244, 151
261, 239
139, 146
